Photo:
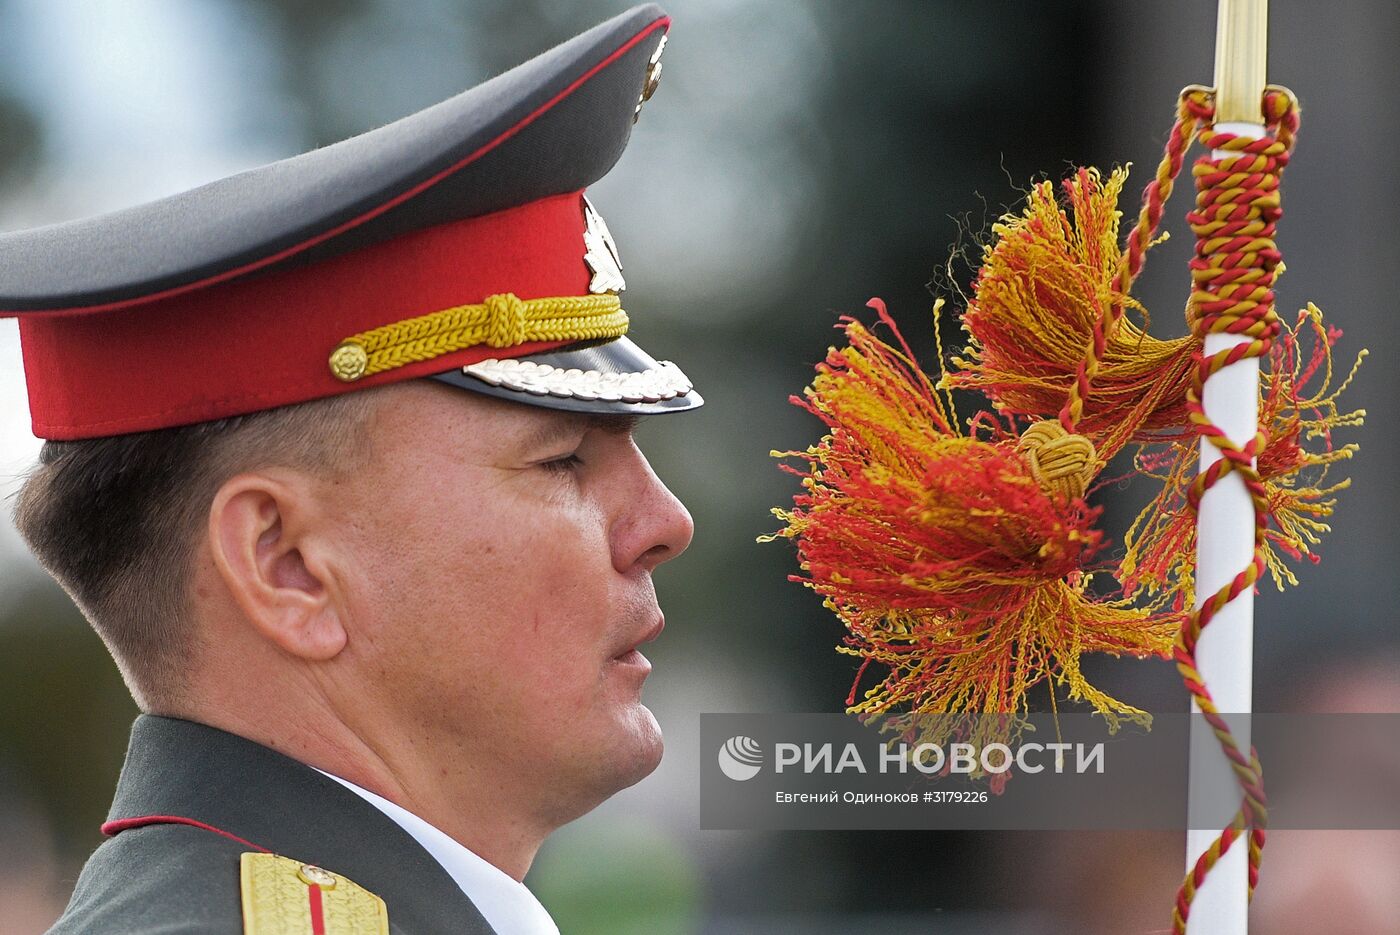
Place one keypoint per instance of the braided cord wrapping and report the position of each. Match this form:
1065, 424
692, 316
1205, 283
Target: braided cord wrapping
1154, 198
1149, 219
1233, 273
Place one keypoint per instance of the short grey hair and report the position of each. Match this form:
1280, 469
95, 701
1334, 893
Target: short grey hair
114, 520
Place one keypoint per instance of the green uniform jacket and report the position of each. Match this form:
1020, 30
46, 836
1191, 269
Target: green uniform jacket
192, 799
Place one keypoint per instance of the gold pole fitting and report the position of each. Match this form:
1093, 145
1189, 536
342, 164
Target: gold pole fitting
1241, 59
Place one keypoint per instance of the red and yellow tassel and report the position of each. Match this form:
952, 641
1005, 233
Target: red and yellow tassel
1049, 289
961, 564
1299, 410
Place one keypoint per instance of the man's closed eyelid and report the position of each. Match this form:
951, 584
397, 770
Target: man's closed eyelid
564, 463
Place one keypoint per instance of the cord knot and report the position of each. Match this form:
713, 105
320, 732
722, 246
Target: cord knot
505, 320
1061, 463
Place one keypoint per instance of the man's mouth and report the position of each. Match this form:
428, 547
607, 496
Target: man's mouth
631, 655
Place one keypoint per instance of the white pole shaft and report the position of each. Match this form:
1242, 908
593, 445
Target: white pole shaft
1225, 652
1225, 522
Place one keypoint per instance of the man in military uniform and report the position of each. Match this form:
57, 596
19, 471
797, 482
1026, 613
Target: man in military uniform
340, 466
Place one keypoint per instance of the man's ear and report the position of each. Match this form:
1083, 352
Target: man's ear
268, 548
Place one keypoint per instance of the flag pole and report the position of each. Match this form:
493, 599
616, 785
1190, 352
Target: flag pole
1226, 518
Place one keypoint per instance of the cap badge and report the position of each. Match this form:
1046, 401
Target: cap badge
653, 78
601, 255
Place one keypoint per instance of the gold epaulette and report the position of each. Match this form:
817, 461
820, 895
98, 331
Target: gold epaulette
282, 896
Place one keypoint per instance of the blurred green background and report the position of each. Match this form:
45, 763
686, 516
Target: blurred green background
798, 158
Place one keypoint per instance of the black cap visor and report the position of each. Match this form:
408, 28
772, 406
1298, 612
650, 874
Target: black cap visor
614, 376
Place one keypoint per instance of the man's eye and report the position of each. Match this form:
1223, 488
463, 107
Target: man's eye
562, 465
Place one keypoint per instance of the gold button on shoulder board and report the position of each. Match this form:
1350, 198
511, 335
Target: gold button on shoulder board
313, 875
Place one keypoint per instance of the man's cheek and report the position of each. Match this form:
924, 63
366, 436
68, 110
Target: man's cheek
556, 673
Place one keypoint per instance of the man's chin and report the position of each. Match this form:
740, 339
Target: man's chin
640, 752
631, 752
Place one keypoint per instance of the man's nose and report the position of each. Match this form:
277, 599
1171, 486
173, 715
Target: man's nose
653, 526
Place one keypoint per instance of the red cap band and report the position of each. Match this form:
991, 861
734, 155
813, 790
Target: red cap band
263, 341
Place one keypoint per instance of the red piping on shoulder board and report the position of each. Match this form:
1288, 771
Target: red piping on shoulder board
314, 904
113, 828
662, 23
318, 912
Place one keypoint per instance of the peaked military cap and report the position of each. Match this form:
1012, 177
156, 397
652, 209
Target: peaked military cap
454, 244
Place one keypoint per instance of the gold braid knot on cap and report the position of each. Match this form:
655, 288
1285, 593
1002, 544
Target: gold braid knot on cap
503, 320
1062, 464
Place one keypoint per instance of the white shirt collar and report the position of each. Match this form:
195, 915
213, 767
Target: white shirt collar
507, 904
